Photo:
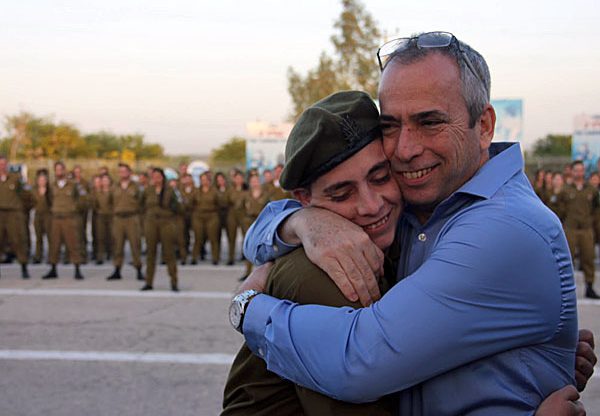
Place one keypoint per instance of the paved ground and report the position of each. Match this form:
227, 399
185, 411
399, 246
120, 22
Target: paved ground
103, 348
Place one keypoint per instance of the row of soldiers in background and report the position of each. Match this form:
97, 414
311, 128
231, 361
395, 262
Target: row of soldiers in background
576, 201
161, 211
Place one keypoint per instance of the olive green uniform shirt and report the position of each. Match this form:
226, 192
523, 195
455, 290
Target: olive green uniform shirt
253, 390
128, 200
579, 206
11, 192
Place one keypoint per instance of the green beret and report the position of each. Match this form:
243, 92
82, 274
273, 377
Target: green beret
326, 134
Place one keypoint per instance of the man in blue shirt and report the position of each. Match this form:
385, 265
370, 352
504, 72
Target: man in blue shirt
483, 319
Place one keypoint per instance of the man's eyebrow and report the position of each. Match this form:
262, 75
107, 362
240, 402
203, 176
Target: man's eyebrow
385, 118
337, 186
427, 114
378, 166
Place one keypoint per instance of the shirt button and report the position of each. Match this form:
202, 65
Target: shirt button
275, 249
261, 352
422, 237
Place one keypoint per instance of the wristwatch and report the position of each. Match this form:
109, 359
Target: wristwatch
238, 306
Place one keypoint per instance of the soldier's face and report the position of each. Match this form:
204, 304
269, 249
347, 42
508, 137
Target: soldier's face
3, 164
124, 173
59, 171
362, 190
578, 172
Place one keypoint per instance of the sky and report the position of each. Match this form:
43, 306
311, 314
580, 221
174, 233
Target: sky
190, 74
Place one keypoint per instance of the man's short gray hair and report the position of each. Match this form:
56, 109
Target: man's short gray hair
476, 92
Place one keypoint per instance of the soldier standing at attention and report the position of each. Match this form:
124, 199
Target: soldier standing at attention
186, 190
267, 181
180, 247
41, 216
102, 204
127, 200
236, 213
205, 219
65, 223
223, 203
160, 205
83, 188
254, 201
580, 203
11, 214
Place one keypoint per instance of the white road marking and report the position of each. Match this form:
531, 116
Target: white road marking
130, 357
115, 293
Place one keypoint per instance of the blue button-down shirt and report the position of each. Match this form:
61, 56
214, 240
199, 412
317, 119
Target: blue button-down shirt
483, 320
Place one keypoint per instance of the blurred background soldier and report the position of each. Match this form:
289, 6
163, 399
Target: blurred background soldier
41, 216
223, 204
205, 219
553, 195
180, 246
186, 190
255, 200
236, 214
278, 192
267, 181
83, 188
160, 205
102, 205
65, 223
12, 223
96, 188
580, 203
127, 200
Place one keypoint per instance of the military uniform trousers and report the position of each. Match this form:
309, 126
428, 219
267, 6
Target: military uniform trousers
103, 235
160, 229
127, 226
41, 226
12, 230
235, 220
180, 236
581, 241
65, 228
83, 241
206, 226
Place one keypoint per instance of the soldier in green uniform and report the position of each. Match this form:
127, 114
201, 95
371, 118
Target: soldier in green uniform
205, 219
278, 192
160, 205
223, 203
579, 203
95, 188
348, 174
127, 203
553, 195
12, 223
255, 200
102, 205
236, 213
186, 190
83, 188
41, 217
65, 223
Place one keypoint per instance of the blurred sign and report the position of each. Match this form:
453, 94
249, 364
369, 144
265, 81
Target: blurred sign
586, 141
264, 153
197, 168
509, 120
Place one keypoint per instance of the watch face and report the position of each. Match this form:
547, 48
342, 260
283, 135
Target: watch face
235, 314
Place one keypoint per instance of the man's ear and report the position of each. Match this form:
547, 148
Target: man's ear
487, 124
302, 195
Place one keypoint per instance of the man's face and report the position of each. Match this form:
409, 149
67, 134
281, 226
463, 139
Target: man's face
427, 138
3, 165
59, 171
578, 172
362, 190
267, 176
124, 173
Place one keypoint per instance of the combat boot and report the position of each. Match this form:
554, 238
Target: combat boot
140, 276
24, 272
51, 273
78, 274
590, 293
116, 275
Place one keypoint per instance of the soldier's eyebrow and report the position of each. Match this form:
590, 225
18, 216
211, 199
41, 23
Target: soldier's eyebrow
378, 166
331, 189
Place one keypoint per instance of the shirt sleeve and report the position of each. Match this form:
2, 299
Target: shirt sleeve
262, 243
491, 284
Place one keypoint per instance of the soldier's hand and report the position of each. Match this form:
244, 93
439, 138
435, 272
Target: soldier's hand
586, 358
256, 280
563, 402
343, 250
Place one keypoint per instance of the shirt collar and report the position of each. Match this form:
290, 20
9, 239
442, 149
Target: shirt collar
505, 161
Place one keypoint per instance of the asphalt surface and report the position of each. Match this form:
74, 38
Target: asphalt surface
94, 347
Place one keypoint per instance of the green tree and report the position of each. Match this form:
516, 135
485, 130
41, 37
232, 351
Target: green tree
231, 153
553, 145
354, 65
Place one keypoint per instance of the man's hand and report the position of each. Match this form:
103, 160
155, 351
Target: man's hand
342, 249
586, 359
563, 402
256, 280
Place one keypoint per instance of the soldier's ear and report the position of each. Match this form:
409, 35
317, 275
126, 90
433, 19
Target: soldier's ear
302, 195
